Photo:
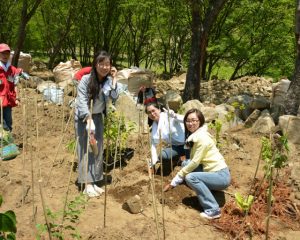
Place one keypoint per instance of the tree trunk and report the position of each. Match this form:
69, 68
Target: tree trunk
192, 84
200, 36
292, 100
25, 17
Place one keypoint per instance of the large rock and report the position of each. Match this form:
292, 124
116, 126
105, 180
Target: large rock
252, 118
226, 113
241, 103
210, 113
264, 123
128, 107
191, 104
259, 102
290, 125
279, 91
173, 100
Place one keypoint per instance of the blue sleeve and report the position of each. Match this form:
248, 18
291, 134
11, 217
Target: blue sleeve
82, 98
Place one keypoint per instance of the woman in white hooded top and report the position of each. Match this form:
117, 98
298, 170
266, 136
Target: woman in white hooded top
171, 128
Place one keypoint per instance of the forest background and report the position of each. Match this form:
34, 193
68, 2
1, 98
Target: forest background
226, 39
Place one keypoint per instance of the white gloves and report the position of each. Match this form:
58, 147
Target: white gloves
176, 181
171, 113
90, 125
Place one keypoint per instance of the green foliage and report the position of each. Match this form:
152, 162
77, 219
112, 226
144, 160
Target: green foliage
117, 130
244, 203
71, 217
274, 153
71, 145
8, 224
217, 126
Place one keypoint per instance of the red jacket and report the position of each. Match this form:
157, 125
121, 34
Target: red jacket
7, 86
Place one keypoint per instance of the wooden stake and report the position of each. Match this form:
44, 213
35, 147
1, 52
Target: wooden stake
44, 210
68, 184
116, 148
105, 177
170, 140
23, 149
162, 186
151, 180
37, 138
87, 147
60, 142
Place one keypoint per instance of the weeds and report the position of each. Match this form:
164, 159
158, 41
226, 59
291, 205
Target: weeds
217, 126
118, 131
70, 218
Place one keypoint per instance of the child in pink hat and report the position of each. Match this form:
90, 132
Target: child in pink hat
8, 90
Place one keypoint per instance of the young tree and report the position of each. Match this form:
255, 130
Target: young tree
204, 15
293, 96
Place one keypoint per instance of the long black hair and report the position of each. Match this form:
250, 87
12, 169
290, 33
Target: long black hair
200, 117
95, 84
156, 105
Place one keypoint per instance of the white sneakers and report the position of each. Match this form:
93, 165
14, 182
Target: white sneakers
98, 189
92, 190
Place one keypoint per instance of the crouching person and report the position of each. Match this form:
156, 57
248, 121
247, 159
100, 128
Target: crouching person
206, 170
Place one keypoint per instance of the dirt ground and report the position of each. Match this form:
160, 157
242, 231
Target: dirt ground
41, 173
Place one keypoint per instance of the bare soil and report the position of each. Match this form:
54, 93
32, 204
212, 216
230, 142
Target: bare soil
44, 168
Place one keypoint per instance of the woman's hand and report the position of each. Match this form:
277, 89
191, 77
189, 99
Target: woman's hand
167, 187
113, 73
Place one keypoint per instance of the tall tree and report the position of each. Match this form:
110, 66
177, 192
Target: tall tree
204, 15
28, 10
293, 94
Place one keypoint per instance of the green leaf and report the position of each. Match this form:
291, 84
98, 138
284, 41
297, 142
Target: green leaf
1, 200
11, 236
12, 216
7, 224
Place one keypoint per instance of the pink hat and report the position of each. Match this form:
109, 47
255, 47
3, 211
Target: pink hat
4, 47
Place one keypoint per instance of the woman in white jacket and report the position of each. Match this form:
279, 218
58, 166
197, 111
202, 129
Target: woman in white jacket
170, 126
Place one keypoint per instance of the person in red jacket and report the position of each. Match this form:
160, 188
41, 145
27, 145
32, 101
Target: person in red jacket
8, 91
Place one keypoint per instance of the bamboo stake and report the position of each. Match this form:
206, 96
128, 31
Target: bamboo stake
37, 137
44, 209
23, 151
68, 184
162, 187
117, 142
269, 203
60, 142
151, 179
2, 127
170, 139
32, 184
87, 148
106, 172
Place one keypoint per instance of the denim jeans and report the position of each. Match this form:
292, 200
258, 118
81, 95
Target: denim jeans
7, 118
202, 182
174, 151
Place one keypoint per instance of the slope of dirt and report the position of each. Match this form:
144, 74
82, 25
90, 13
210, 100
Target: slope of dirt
43, 130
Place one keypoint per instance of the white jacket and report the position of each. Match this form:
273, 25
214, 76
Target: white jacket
176, 128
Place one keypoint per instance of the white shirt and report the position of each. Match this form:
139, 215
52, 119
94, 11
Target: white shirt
163, 128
